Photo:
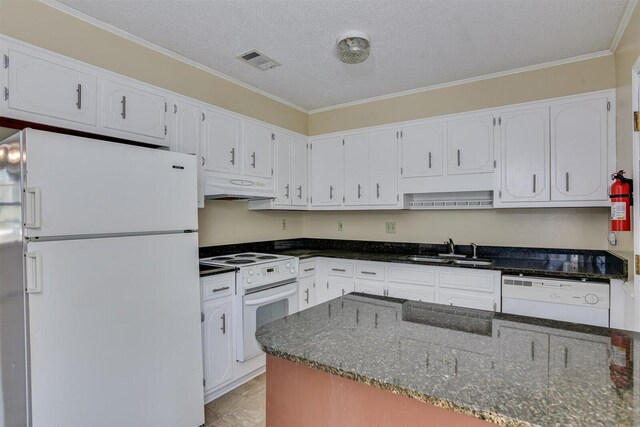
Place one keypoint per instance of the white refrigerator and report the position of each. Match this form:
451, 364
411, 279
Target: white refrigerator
99, 286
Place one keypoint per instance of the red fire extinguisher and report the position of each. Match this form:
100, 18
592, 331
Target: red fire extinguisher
621, 201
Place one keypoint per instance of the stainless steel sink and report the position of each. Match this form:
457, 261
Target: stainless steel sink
452, 256
424, 258
479, 262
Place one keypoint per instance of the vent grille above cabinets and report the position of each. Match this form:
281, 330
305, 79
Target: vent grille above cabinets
258, 60
461, 200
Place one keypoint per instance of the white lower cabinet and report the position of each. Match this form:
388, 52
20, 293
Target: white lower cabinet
461, 287
306, 292
217, 343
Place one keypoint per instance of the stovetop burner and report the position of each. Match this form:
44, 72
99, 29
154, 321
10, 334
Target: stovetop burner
239, 261
245, 256
221, 258
267, 257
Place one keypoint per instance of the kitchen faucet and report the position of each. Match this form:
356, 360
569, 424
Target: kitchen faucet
474, 249
451, 246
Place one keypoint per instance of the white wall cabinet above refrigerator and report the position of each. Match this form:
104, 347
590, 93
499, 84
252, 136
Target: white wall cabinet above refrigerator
556, 153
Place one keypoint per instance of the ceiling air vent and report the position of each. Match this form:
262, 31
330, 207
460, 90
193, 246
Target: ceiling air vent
258, 60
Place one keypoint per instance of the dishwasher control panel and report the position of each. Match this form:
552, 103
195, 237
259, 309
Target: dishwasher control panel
570, 292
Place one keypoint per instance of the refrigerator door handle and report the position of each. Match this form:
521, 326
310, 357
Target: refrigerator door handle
34, 272
33, 214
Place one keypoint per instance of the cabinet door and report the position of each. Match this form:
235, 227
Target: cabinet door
221, 142
470, 144
356, 169
422, 148
185, 137
467, 299
300, 192
282, 169
383, 155
216, 338
338, 287
579, 139
134, 109
411, 292
524, 146
326, 172
368, 287
52, 89
257, 156
306, 292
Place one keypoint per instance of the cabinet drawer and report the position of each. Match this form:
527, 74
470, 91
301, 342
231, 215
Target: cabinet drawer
218, 286
473, 280
370, 272
307, 269
342, 269
412, 292
416, 275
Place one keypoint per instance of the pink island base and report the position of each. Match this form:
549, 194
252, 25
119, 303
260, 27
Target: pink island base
299, 396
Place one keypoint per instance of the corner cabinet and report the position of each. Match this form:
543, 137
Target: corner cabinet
556, 154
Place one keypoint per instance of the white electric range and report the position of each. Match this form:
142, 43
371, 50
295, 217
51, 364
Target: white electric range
266, 290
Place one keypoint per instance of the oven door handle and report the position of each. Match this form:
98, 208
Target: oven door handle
271, 298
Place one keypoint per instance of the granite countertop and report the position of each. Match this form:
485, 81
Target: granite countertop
506, 369
208, 270
568, 263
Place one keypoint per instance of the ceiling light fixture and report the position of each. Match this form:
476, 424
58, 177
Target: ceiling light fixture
353, 47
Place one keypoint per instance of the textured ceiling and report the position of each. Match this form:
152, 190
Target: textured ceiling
414, 43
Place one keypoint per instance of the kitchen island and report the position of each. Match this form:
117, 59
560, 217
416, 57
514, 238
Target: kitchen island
360, 360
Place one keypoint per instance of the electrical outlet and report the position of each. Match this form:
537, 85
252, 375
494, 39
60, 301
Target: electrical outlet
340, 226
284, 224
390, 227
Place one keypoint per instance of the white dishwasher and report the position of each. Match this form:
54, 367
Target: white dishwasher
558, 299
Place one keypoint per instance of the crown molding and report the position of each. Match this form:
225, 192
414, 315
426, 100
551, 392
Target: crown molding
623, 25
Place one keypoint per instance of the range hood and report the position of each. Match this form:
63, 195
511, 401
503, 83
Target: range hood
233, 188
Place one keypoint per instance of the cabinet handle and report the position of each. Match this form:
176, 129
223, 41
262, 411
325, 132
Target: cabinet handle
369, 272
224, 323
124, 107
202, 160
309, 269
331, 192
359, 191
175, 108
339, 269
220, 289
534, 183
377, 190
79, 99
566, 357
458, 157
253, 160
286, 187
307, 297
566, 178
429, 159
233, 156
300, 192
533, 350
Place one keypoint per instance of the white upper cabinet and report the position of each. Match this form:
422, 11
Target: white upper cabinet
579, 141
422, 148
524, 154
257, 150
221, 135
326, 172
50, 87
184, 124
356, 169
300, 192
383, 155
134, 108
470, 144
282, 167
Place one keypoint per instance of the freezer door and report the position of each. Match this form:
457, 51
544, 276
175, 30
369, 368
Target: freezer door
114, 332
79, 186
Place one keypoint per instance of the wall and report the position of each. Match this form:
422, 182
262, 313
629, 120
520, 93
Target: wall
222, 222
626, 55
49, 28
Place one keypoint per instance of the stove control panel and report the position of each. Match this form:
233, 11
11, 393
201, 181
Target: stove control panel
272, 272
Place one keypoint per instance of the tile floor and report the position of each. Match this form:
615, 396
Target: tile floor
242, 407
